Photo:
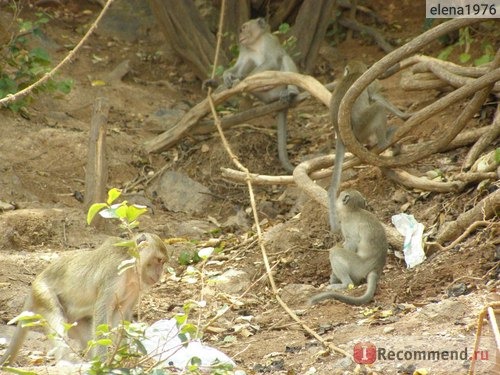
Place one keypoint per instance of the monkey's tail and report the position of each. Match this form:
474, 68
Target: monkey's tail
14, 345
282, 140
371, 279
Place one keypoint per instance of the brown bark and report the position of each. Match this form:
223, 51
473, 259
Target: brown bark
309, 29
187, 33
96, 174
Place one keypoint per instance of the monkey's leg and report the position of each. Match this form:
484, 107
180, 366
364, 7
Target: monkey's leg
82, 332
342, 261
282, 141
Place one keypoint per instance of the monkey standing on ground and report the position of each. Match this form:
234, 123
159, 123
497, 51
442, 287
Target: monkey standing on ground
86, 288
363, 253
261, 51
368, 120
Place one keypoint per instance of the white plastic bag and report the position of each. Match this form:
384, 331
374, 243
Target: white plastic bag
413, 232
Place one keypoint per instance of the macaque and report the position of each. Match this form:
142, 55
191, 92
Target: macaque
376, 96
363, 253
261, 51
368, 120
86, 288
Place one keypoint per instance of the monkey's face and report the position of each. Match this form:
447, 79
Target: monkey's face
152, 268
250, 32
153, 256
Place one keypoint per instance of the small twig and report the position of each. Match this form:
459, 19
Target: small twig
465, 234
12, 97
265, 258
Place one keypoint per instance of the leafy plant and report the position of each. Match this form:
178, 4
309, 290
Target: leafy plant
125, 213
21, 65
465, 41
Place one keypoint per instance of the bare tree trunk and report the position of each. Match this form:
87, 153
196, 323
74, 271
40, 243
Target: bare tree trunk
187, 33
237, 13
309, 29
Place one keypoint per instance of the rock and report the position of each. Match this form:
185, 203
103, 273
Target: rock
233, 281
456, 290
4, 206
240, 220
29, 227
297, 294
192, 229
181, 193
389, 329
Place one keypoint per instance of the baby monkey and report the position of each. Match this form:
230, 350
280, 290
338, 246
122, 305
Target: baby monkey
363, 253
261, 51
86, 288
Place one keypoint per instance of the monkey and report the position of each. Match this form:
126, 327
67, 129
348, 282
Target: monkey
260, 51
368, 120
363, 253
376, 96
86, 288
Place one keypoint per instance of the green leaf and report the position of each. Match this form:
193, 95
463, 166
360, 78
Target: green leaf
284, 28
184, 339
65, 85
483, 60
445, 53
497, 155
134, 211
121, 211
113, 194
464, 57
102, 329
189, 328
40, 55
17, 371
93, 210
104, 342
127, 243
180, 319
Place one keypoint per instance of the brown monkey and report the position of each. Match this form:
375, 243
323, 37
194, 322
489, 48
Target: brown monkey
368, 120
363, 253
86, 288
261, 51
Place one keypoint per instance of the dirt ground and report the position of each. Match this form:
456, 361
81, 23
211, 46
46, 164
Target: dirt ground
43, 155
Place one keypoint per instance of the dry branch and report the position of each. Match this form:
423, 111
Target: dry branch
463, 139
483, 84
487, 208
486, 140
422, 183
249, 84
430, 73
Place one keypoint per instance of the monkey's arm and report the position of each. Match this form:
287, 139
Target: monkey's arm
376, 96
243, 67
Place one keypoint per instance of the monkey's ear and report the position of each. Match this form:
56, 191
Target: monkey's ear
346, 198
261, 22
141, 239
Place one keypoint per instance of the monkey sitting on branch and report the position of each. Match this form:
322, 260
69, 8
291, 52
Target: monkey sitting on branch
88, 289
363, 253
260, 51
369, 123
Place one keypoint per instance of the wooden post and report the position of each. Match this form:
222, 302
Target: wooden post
96, 175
